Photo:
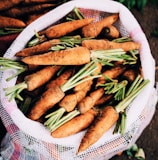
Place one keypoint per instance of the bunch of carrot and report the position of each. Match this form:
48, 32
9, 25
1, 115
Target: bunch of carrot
85, 81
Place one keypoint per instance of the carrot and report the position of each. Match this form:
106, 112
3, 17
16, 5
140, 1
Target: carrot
75, 125
35, 1
32, 81
98, 44
89, 101
24, 10
51, 99
66, 27
111, 73
11, 22
103, 122
95, 28
5, 4
37, 49
109, 32
62, 57
48, 99
103, 99
60, 80
130, 75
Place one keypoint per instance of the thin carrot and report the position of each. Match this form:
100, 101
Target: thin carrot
32, 81
37, 49
95, 28
103, 122
11, 22
24, 10
66, 27
5, 4
75, 125
98, 44
105, 98
62, 57
89, 101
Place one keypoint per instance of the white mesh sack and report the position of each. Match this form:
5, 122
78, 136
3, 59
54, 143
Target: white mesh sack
27, 139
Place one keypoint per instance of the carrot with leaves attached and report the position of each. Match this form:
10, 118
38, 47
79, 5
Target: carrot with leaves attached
11, 22
84, 55
32, 82
109, 116
75, 125
95, 28
52, 96
64, 28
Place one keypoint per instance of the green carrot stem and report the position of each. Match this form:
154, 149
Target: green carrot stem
14, 92
64, 119
120, 107
123, 123
122, 39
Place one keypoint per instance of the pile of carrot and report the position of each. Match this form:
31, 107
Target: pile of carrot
81, 66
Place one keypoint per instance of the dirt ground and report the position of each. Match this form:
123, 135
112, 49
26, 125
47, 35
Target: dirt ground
148, 140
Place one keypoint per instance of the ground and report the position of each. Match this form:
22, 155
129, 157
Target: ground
148, 140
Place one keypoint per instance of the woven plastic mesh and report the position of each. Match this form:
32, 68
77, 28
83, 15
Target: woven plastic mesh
29, 140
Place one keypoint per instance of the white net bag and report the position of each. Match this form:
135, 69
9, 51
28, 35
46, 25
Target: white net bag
27, 139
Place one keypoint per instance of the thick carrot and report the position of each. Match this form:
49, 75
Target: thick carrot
103, 122
72, 56
95, 28
37, 49
5, 4
66, 27
40, 77
24, 10
89, 101
48, 99
98, 44
75, 125
111, 73
11, 22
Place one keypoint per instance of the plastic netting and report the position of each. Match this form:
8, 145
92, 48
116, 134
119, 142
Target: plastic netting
27, 139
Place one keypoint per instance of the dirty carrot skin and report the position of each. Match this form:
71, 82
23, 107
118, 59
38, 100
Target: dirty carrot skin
89, 101
104, 99
37, 49
21, 11
103, 122
5, 4
95, 28
11, 22
98, 44
66, 27
75, 125
62, 57
60, 80
111, 73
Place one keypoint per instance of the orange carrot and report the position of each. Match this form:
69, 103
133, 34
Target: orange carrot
64, 28
103, 122
48, 99
89, 101
111, 73
5, 4
75, 125
95, 28
98, 44
24, 10
11, 22
60, 80
37, 49
62, 57
103, 99
35, 1
40, 77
